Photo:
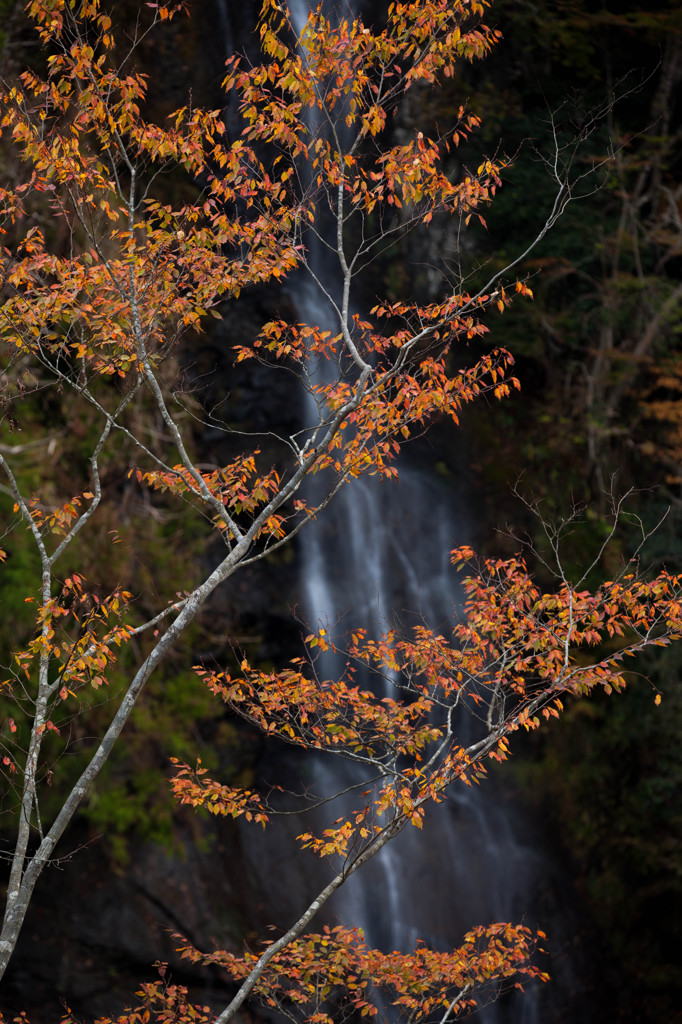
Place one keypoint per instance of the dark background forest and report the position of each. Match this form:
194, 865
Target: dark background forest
599, 414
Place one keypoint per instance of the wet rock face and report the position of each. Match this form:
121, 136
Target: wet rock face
94, 933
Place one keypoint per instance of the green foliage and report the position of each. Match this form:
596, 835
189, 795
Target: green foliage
126, 805
177, 717
18, 618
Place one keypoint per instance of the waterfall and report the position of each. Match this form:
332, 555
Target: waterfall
379, 554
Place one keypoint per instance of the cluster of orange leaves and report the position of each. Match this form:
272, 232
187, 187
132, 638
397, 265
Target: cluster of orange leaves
520, 647
236, 486
74, 127
78, 635
85, 657
334, 975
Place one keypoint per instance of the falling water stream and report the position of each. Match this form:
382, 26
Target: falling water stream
377, 555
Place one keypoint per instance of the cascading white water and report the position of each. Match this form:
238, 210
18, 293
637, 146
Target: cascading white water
379, 553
